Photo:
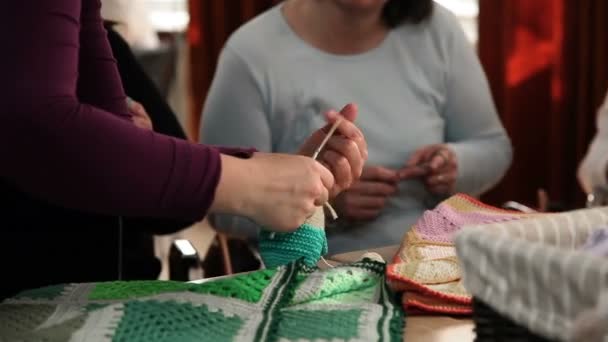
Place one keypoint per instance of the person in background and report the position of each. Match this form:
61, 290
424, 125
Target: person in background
425, 106
70, 149
593, 169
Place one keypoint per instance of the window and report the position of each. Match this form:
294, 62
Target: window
467, 12
172, 15
168, 15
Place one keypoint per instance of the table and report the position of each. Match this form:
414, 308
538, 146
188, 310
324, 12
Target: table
420, 328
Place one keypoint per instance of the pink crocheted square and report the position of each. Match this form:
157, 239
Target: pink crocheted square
417, 267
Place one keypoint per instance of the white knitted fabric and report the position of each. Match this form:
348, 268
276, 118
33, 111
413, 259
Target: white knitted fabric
531, 271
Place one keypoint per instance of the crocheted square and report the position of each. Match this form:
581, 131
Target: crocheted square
290, 303
307, 243
426, 269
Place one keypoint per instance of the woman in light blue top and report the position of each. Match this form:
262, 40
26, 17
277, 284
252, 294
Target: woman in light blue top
424, 105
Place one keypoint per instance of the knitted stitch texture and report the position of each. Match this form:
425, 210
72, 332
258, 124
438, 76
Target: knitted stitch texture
597, 242
307, 242
290, 303
426, 268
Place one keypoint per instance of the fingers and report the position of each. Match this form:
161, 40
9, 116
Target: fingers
322, 198
423, 154
379, 173
437, 164
440, 189
327, 180
340, 168
367, 188
361, 208
441, 178
130, 102
417, 157
440, 158
346, 128
139, 110
442, 182
135, 107
349, 152
350, 112
139, 115
143, 122
415, 171
351, 131
437, 161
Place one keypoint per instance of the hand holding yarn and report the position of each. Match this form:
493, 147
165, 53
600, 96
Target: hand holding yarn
366, 198
345, 152
436, 165
296, 186
277, 191
309, 243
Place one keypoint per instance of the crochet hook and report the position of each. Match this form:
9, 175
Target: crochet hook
315, 155
326, 139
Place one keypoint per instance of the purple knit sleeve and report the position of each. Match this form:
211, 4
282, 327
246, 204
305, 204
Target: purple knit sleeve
98, 78
65, 149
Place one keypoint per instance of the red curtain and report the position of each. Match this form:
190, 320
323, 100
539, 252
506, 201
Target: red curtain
546, 63
211, 23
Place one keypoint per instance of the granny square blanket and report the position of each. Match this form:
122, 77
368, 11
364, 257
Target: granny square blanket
289, 303
426, 269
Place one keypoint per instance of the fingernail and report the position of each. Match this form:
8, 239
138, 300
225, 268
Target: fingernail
353, 106
332, 114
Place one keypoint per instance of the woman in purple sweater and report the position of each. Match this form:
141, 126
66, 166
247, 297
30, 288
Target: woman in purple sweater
67, 140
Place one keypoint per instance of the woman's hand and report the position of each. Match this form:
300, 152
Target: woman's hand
436, 165
277, 191
345, 152
366, 198
141, 118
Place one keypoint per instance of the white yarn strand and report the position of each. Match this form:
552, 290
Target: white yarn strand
332, 211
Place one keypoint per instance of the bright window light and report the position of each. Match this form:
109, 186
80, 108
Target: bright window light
168, 15
467, 12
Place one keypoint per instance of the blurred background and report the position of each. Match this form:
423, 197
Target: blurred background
545, 60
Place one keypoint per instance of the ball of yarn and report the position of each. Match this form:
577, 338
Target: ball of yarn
308, 243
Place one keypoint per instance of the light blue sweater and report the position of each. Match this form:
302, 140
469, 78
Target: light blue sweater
422, 85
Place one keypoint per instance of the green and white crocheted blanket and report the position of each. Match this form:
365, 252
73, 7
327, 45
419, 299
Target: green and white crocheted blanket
290, 303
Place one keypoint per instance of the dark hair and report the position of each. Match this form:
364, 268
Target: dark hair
397, 12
